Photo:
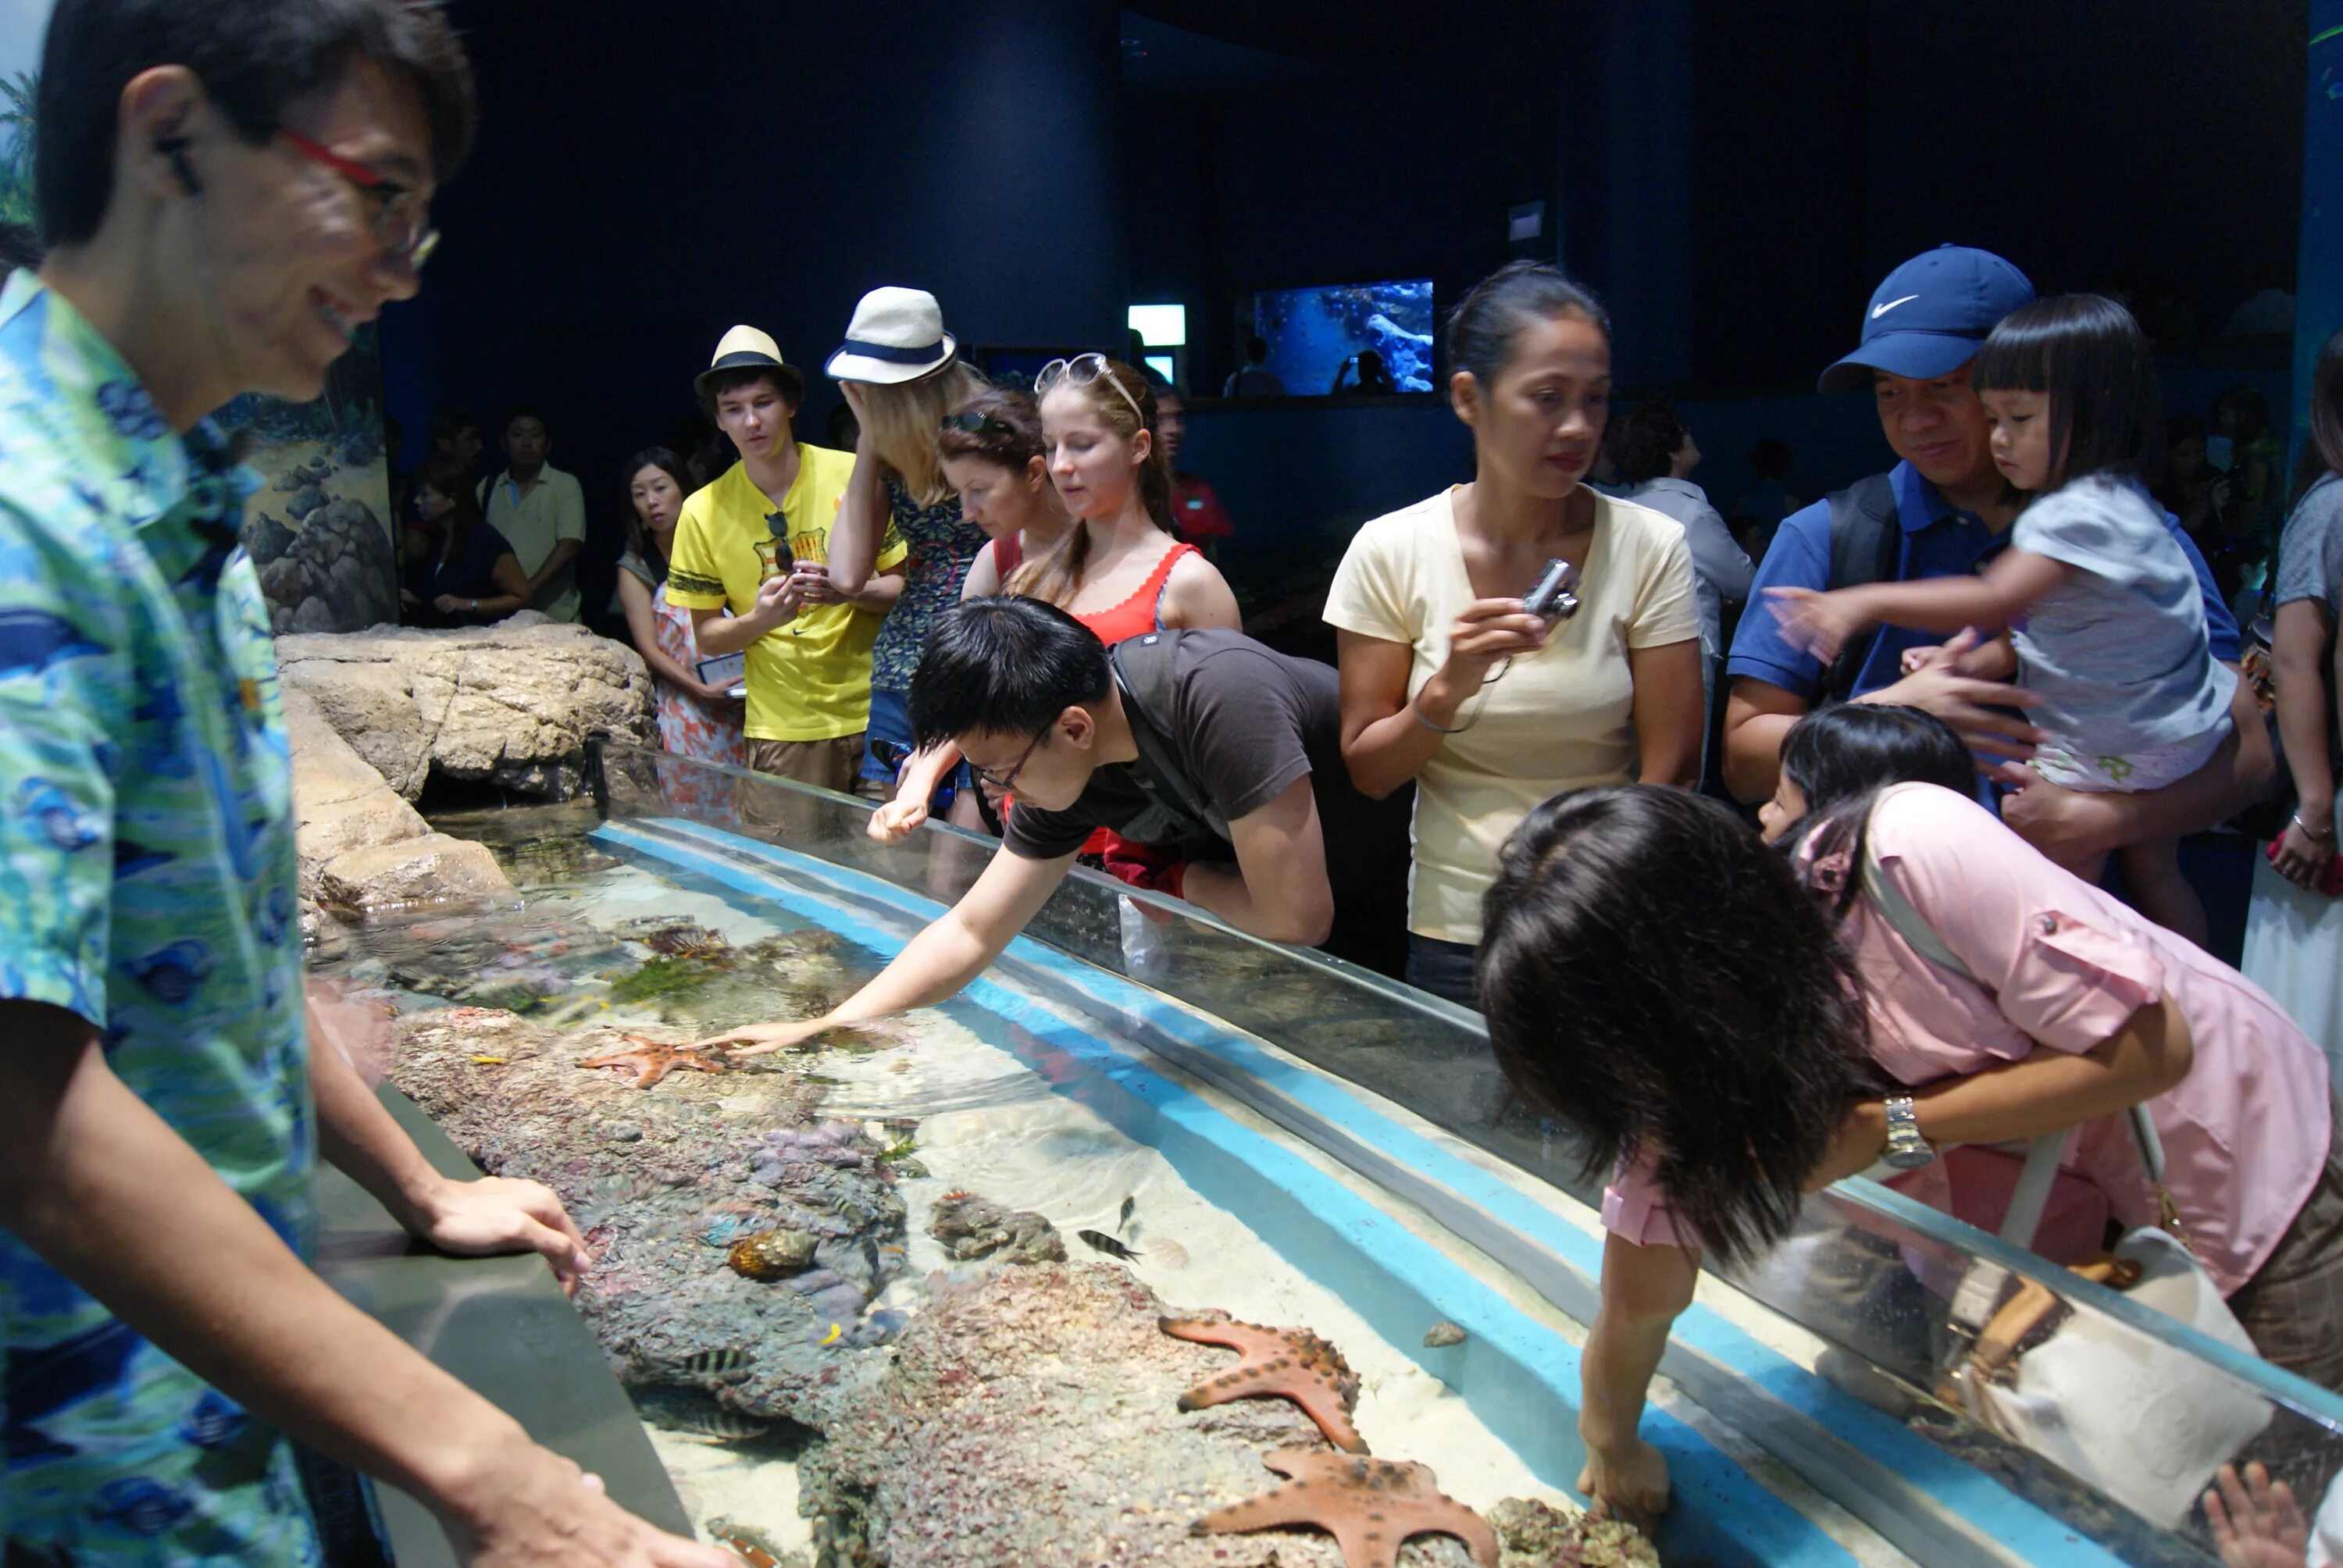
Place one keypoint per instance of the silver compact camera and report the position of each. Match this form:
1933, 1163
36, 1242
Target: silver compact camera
1555, 597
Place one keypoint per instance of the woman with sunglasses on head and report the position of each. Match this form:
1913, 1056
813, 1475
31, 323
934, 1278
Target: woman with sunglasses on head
1450, 679
901, 373
1121, 567
992, 454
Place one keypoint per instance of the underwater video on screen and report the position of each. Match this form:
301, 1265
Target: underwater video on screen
1316, 335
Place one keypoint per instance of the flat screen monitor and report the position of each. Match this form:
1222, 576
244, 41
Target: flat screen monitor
1315, 335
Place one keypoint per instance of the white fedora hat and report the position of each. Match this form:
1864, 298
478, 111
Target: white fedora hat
746, 348
896, 335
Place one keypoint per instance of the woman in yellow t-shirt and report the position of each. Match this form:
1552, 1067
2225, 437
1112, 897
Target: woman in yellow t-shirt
1449, 681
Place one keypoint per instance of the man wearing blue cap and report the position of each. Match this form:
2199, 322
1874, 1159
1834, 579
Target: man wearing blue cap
1943, 510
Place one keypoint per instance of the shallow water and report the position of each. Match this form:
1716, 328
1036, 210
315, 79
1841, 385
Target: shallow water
602, 944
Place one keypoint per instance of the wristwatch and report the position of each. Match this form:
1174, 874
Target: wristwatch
1906, 1150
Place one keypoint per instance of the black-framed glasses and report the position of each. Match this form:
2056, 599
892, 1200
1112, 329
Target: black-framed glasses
1082, 370
974, 422
400, 227
1004, 782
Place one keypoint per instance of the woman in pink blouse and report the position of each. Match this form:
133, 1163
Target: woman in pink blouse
1731, 1027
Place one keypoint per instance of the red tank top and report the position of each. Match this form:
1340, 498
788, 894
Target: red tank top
1142, 612
1008, 554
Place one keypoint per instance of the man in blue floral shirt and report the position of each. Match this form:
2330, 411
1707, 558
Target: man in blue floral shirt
228, 191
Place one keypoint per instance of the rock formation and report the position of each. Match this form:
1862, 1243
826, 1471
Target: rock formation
512, 704
333, 570
362, 848
668, 1181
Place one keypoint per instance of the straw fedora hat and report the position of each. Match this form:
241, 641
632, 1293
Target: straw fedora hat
745, 347
896, 335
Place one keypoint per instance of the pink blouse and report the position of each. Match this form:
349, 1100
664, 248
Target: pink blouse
2063, 965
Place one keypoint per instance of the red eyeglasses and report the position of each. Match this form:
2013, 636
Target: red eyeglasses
398, 218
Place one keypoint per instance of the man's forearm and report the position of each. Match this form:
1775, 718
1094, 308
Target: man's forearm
361, 1138
718, 635
1301, 918
878, 595
1752, 753
932, 967
564, 552
105, 1192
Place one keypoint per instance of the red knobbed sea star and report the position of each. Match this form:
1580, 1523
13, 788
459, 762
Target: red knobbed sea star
1368, 1505
652, 1060
1293, 1363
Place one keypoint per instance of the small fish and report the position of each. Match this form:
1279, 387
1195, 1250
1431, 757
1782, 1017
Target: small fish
1128, 1205
1099, 1241
715, 1363
836, 1333
697, 1415
487, 1062
902, 1147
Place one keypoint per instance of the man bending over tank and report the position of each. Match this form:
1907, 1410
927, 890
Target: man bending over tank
1204, 745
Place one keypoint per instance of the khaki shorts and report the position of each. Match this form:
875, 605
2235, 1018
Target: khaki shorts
824, 764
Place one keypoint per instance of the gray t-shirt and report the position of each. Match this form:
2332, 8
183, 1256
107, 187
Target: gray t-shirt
2119, 651
2311, 552
1237, 720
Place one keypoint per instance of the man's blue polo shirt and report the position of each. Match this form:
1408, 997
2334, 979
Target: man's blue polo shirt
1940, 541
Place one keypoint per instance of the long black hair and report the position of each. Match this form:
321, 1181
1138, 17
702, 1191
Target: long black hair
1655, 975
2089, 357
1851, 749
638, 538
2322, 454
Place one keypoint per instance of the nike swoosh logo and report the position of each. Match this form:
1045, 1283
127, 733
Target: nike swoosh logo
1879, 310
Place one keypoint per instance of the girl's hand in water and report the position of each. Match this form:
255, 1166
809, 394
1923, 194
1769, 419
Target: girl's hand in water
758, 1038
1629, 1483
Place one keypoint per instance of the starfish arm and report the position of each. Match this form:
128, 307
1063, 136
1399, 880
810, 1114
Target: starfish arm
1297, 1502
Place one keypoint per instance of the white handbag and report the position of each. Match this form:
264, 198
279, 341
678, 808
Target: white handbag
2144, 1424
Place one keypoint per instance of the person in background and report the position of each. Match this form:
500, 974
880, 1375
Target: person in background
901, 373
1364, 374
463, 572
992, 454
750, 565
2294, 928
454, 437
1254, 378
2243, 446
1450, 680
1656, 456
229, 192
844, 430
695, 718
1730, 1029
400, 480
541, 510
1941, 511
1769, 500
2106, 623
1203, 521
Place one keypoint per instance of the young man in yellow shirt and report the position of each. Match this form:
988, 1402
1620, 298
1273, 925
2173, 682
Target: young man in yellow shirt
753, 543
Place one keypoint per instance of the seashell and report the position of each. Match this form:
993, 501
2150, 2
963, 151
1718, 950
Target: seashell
770, 1254
1442, 1334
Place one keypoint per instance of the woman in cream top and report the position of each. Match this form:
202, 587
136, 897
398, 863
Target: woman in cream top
1448, 681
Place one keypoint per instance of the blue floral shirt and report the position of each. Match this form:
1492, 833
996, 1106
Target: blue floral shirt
146, 883
943, 546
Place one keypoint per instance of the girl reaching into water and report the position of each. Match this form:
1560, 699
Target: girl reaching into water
2105, 618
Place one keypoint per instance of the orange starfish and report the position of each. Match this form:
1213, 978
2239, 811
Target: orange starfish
653, 1061
1292, 1363
1368, 1505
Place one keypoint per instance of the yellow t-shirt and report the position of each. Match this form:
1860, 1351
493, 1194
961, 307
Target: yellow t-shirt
810, 680
1562, 718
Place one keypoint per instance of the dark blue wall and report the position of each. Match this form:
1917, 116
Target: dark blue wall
648, 175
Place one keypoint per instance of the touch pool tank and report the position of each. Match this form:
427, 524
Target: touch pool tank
894, 1298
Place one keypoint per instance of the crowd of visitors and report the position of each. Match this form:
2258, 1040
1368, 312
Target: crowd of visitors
1954, 691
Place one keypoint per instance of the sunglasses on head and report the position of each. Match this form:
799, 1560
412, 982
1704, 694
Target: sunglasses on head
1082, 370
974, 423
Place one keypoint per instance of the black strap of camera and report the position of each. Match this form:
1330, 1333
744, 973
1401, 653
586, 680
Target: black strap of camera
1158, 773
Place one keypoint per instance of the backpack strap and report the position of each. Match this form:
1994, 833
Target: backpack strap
1866, 546
2032, 1193
1159, 773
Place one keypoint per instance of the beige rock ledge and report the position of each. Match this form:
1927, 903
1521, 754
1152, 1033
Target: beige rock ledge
513, 704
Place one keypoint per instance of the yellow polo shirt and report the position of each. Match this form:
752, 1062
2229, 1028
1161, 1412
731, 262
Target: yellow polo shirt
810, 680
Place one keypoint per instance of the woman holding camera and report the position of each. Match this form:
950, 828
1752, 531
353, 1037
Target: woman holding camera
1450, 678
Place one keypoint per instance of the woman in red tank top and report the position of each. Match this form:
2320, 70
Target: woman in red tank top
1120, 569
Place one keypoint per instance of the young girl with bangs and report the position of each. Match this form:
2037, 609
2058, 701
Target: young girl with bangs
2106, 621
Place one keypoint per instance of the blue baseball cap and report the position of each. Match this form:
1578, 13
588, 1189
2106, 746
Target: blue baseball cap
1931, 315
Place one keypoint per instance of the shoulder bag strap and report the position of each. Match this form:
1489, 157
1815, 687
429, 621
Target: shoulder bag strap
1166, 781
